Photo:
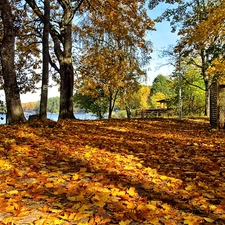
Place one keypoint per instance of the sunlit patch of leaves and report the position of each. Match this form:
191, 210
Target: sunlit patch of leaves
112, 172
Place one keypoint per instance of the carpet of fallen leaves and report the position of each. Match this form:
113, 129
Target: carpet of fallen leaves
112, 172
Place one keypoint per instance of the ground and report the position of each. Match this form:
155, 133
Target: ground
137, 171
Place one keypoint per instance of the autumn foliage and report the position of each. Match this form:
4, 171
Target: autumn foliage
112, 172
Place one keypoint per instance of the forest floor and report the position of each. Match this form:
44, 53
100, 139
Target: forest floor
137, 171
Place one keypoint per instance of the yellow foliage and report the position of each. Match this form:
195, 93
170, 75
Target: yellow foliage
158, 96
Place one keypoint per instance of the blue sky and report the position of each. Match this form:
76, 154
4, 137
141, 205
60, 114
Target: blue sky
161, 38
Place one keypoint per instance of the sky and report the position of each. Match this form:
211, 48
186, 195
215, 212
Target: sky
161, 38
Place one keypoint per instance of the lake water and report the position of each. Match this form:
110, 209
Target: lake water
54, 116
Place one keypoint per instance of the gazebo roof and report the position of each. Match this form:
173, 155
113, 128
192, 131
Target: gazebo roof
163, 100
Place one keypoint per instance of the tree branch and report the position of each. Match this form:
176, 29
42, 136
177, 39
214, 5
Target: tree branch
194, 85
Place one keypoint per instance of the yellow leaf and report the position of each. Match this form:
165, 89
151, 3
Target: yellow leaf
209, 219
192, 220
57, 221
56, 210
79, 216
25, 213
125, 222
43, 209
10, 208
40, 221
166, 207
151, 206
130, 205
75, 177
13, 192
72, 198
117, 192
154, 220
142, 207
147, 186
163, 177
8, 220
16, 206
139, 165
98, 201
65, 216
91, 221
49, 185
71, 216
131, 191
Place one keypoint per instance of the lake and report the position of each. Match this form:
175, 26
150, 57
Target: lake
54, 116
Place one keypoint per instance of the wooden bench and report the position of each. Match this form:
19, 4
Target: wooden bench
146, 113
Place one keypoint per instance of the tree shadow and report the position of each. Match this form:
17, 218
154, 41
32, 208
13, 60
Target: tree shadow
83, 170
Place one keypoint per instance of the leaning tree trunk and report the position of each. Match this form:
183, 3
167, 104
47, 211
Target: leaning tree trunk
7, 52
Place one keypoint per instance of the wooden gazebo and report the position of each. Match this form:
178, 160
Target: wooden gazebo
163, 103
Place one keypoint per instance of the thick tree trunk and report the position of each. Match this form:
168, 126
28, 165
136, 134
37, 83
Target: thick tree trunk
63, 50
13, 103
66, 68
66, 91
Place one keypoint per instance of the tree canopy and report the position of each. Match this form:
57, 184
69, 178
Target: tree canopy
200, 27
103, 42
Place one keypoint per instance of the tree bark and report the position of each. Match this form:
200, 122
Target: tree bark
66, 91
45, 69
15, 112
63, 50
66, 67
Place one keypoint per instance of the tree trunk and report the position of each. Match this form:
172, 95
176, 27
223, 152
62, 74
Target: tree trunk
63, 50
110, 105
207, 95
13, 103
66, 68
45, 69
112, 101
66, 91
207, 99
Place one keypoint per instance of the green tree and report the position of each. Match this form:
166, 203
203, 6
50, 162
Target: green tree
186, 18
97, 105
161, 84
53, 105
193, 90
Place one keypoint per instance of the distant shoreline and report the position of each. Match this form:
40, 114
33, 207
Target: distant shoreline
54, 116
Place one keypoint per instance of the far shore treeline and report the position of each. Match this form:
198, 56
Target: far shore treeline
52, 107
145, 97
